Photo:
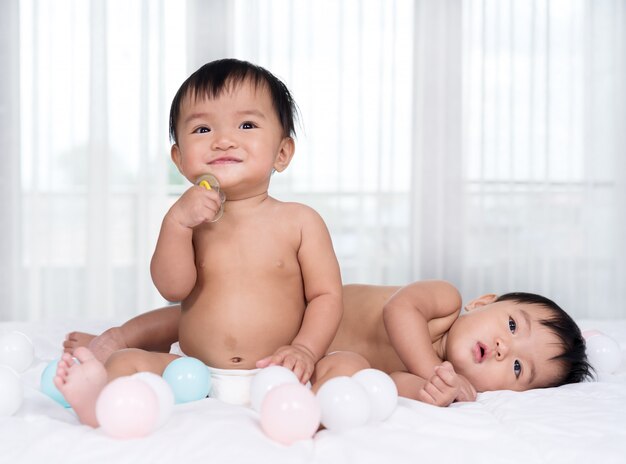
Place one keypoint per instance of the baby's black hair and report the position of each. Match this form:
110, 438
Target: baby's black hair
214, 77
573, 359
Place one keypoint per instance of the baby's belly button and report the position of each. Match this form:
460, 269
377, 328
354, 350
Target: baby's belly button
238, 362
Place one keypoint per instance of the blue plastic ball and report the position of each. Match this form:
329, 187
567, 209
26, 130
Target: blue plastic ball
47, 385
189, 378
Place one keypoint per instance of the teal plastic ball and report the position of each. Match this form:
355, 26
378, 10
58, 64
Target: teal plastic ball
189, 378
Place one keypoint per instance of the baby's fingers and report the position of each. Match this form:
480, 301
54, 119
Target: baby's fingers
425, 397
436, 391
303, 371
449, 377
273, 360
294, 364
436, 386
289, 362
261, 363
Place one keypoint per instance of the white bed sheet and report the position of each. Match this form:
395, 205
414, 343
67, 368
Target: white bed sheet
583, 423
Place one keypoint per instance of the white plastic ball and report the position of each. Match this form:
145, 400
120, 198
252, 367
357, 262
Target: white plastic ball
16, 351
11, 391
344, 404
163, 392
603, 352
382, 392
267, 379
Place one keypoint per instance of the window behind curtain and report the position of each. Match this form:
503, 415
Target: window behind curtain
96, 81
544, 159
543, 166
349, 65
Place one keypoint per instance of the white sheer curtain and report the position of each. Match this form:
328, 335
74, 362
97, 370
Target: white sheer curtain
349, 65
10, 197
480, 141
544, 151
95, 83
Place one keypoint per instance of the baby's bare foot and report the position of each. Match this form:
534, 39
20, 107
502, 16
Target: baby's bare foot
81, 383
75, 339
102, 346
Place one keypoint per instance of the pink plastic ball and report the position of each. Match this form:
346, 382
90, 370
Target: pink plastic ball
163, 392
267, 379
127, 408
290, 412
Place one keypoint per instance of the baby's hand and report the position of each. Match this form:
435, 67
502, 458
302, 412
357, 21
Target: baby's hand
195, 206
446, 386
467, 392
294, 357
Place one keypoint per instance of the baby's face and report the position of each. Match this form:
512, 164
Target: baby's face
503, 346
236, 137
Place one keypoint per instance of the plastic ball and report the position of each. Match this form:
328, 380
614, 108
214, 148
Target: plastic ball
603, 352
344, 403
127, 408
290, 412
267, 379
47, 385
16, 351
11, 391
189, 379
163, 392
382, 392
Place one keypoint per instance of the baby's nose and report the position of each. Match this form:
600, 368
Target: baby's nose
501, 348
223, 140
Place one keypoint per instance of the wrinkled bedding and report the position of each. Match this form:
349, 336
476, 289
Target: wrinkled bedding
583, 423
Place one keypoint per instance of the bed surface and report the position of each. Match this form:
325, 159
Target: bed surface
583, 423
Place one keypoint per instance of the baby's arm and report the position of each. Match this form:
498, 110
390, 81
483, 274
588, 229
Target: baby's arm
443, 388
173, 266
410, 316
323, 293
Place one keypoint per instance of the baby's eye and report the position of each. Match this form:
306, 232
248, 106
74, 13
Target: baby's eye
517, 368
247, 125
512, 325
201, 130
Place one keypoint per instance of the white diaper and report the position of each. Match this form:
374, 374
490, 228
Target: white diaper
228, 385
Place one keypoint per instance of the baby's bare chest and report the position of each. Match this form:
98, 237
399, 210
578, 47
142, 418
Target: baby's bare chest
258, 254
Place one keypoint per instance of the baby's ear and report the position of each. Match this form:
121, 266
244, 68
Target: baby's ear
176, 156
481, 301
285, 154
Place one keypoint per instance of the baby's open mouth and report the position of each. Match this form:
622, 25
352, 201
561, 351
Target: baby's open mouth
480, 352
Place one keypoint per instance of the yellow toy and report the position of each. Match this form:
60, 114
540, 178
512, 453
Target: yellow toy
210, 182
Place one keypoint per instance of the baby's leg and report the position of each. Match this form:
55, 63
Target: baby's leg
336, 364
82, 383
155, 330
132, 360
102, 346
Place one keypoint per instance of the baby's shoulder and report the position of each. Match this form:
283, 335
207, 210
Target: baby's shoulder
297, 211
